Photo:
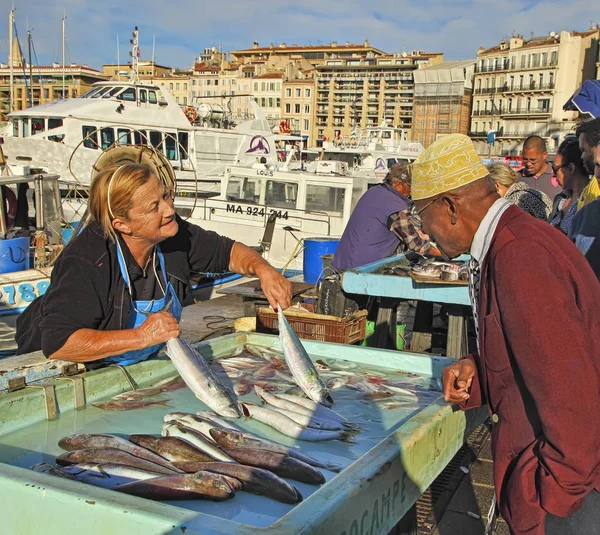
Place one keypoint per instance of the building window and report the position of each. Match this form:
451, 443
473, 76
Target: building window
423, 109
307, 92
454, 124
288, 92
298, 92
296, 108
171, 86
255, 86
306, 124
185, 85
278, 85
432, 124
422, 124
551, 80
278, 103
177, 86
306, 108
554, 57
288, 108
523, 60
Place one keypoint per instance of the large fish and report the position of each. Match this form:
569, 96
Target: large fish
182, 487
255, 480
230, 438
171, 448
101, 442
108, 476
280, 464
201, 379
112, 456
299, 363
175, 429
289, 427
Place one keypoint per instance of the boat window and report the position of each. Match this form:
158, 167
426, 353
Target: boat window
15, 128
170, 146
90, 137
386, 134
101, 92
152, 97
128, 95
281, 194
156, 139
25, 127
244, 189
89, 92
37, 125
112, 92
324, 198
143, 94
54, 123
123, 136
107, 138
139, 138
390, 162
183, 144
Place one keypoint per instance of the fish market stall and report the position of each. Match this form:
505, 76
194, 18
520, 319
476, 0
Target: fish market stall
404, 435
389, 280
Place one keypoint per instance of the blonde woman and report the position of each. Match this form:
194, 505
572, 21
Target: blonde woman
117, 290
530, 200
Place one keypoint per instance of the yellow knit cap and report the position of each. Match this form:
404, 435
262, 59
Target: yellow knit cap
449, 163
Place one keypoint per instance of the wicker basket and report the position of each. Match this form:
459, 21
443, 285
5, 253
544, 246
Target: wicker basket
310, 326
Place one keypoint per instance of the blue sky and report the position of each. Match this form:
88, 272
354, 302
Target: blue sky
184, 27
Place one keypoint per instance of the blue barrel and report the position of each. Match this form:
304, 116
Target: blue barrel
67, 232
14, 255
314, 249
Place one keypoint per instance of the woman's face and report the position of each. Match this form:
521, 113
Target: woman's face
152, 213
559, 170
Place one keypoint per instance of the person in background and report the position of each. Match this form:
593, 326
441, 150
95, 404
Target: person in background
537, 172
589, 137
379, 225
585, 226
530, 200
540, 380
572, 176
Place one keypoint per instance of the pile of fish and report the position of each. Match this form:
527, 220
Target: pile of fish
432, 269
198, 456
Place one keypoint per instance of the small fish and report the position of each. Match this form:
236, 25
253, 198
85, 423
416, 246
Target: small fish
107, 475
253, 479
200, 378
299, 363
172, 449
198, 423
242, 388
45, 468
127, 405
204, 485
336, 382
112, 456
175, 429
265, 372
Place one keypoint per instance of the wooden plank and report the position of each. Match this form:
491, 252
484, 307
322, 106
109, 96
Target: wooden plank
432, 280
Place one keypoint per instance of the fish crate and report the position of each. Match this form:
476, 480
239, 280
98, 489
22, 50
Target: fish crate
310, 326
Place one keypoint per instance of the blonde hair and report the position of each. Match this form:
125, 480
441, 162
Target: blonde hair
111, 193
503, 174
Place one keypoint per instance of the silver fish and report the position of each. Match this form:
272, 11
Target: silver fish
202, 425
201, 379
313, 406
175, 429
299, 363
107, 475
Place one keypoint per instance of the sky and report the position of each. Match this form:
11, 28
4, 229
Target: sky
183, 28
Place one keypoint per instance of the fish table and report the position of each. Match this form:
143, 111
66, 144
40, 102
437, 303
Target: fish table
395, 458
370, 280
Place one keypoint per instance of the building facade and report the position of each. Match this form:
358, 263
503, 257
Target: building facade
442, 101
298, 108
147, 70
179, 85
360, 92
520, 87
266, 89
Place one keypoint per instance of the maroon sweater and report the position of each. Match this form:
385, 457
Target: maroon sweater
538, 370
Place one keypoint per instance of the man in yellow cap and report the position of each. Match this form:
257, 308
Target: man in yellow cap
540, 378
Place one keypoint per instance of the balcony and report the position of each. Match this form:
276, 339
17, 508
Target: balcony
477, 134
487, 91
528, 87
481, 113
321, 123
495, 68
539, 65
322, 111
527, 111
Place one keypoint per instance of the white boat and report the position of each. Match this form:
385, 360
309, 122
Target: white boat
368, 152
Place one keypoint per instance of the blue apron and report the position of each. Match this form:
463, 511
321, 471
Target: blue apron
140, 310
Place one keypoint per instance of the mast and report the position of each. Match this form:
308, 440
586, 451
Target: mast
63, 57
153, 46
30, 65
118, 61
135, 54
11, 22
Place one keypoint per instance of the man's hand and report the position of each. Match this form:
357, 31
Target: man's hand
457, 379
158, 327
277, 289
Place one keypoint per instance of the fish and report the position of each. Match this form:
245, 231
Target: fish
99, 442
45, 468
201, 485
230, 438
127, 405
172, 449
336, 382
198, 423
208, 415
289, 427
168, 385
253, 479
301, 415
200, 378
108, 475
278, 463
175, 429
299, 363
265, 372
112, 456
315, 407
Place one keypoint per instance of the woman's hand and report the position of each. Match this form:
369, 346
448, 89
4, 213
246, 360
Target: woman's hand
158, 328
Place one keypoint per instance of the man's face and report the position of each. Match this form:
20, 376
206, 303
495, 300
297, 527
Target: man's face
437, 217
587, 154
534, 160
596, 151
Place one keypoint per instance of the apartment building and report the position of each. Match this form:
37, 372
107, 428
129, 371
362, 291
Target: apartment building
179, 85
42, 84
266, 89
520, 87
360, 92
147, 70
298, 108
442, 100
